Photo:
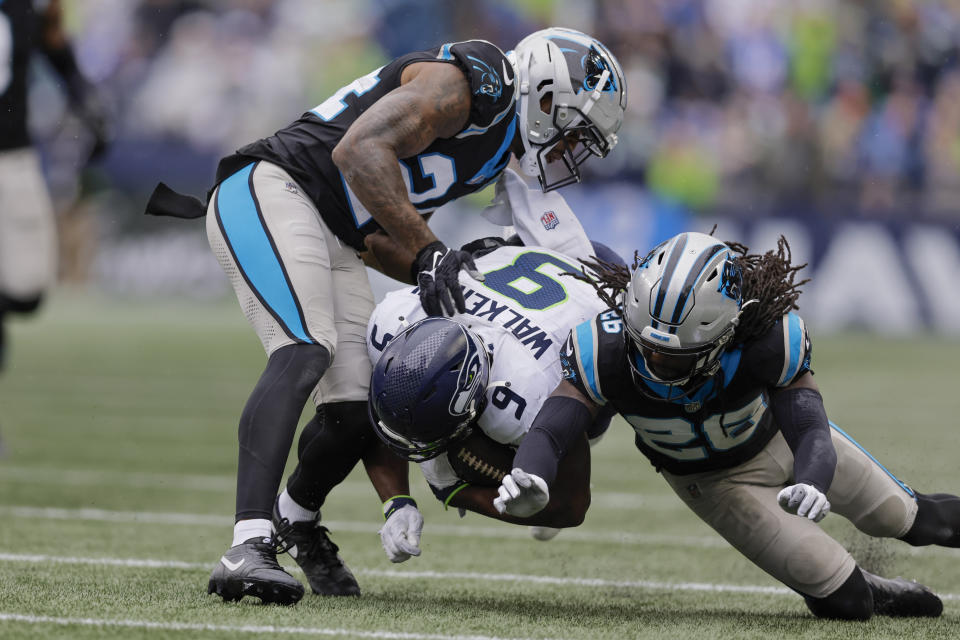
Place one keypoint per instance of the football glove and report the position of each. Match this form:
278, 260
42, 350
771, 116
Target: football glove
804, 500
400, 534
437, 273
521, 494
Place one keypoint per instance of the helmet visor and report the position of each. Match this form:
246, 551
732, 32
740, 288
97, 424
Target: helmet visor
669, 367
559, 158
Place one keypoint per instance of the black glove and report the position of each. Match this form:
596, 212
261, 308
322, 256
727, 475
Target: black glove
436, 270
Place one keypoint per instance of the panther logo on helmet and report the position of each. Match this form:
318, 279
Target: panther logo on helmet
681, 308
572, 99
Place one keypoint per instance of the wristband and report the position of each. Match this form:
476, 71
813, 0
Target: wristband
396, 503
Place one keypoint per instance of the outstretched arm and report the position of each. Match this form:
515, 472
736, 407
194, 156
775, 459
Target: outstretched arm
798, 410
569, 497
563, 420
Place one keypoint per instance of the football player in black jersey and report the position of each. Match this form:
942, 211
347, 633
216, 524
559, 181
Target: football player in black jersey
360, 173
702, 355
28, 243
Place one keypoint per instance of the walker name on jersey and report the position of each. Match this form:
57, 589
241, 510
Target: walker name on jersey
529, 334
486, 308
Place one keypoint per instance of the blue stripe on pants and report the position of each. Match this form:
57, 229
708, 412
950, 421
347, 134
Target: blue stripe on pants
255, 254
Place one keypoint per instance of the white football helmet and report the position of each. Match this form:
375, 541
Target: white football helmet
680, 310
572, 93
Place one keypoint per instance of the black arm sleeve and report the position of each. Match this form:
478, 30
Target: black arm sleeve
803, 421
555, 429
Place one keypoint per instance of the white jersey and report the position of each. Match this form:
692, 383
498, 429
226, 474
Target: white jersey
523, 311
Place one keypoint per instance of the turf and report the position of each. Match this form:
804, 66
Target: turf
116, 493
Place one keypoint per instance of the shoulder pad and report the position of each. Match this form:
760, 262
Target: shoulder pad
782, 354
588, 351
491, 78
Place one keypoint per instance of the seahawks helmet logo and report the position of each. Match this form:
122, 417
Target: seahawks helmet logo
467, 384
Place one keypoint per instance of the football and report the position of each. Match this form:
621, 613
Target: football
481, 460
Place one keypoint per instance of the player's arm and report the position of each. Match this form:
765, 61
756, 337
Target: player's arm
387, 256
569, 497
433, 101
55, 46
797, 407
799, 412
403, 523
561, 423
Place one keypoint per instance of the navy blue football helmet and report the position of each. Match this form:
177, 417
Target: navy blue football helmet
428, 388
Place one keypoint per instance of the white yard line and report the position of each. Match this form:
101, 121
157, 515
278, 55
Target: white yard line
433, 528
456, 529
619, 501
266, 629
653, 585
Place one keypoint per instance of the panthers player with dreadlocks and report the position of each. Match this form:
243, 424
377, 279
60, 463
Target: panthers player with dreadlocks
360, 173
702, 354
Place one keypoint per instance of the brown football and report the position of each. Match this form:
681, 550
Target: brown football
481, 460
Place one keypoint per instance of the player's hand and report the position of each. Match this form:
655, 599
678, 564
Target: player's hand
521, 494
400, 534
804, 500
438, 276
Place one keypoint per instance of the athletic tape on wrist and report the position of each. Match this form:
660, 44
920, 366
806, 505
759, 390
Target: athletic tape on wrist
396, 503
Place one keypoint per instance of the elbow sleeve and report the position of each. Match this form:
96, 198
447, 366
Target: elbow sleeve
556, 428
803, 421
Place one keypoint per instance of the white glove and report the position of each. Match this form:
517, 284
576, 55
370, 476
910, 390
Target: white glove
400, 534
804, 500
522, 494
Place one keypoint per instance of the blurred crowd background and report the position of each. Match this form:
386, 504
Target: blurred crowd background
737, 109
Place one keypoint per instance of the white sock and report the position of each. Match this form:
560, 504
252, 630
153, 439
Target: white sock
292, 511
256, 528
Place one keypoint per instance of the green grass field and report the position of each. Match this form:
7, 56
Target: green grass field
116, 500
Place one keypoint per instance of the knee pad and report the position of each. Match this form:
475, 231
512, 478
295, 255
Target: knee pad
331, 445
852, 601
300, 364
887, 520
338, 426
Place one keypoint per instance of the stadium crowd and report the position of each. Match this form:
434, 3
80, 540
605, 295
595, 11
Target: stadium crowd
744, 106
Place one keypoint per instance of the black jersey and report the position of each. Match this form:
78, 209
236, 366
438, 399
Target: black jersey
722, 424
19, 34
448, 169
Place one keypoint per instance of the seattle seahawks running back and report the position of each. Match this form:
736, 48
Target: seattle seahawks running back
702, 354
436, 383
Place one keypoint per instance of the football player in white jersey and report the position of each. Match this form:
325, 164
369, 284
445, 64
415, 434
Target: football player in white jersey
458, 395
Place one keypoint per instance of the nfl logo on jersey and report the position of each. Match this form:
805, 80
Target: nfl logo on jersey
549, 220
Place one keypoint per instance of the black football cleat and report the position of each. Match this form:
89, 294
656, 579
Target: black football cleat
309, 544
901, 598
251, 569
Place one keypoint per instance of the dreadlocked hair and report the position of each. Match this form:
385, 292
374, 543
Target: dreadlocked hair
609, 279
769, 290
